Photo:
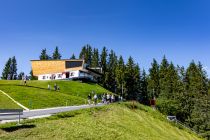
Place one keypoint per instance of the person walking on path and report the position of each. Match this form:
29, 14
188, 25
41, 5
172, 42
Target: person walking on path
95, 99
89, 99
48, 87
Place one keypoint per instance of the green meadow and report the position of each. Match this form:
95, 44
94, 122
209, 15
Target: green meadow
36, 94
115, 122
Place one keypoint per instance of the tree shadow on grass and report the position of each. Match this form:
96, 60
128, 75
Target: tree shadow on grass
17, 127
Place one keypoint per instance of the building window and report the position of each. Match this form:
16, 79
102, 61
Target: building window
43, 77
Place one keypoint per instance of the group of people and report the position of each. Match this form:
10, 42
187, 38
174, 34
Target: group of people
105, 98
56, 87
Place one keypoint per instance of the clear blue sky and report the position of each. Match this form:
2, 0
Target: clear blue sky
144, 29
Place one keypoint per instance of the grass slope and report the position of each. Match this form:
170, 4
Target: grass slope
6, 103
36, 95
116, 121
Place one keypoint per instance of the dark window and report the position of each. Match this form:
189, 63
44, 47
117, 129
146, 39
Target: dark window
72, 64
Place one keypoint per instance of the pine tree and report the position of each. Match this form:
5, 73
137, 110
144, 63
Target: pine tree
103, 58
153, 80
44, 55
144, 96
13, 69
132, 80
111, 75
164, 84
120, 75
6, 71
56, 54
95, 58
73, 56
86, 54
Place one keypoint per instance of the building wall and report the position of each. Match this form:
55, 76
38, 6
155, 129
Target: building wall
46, 67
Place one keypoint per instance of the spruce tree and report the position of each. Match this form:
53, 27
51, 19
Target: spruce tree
73, 56
111, 75
95, 58
120, 75
56, 54
153, 80
7, 70
13, 69
132, 80
44, 55
103, 58
144, 96
164, 84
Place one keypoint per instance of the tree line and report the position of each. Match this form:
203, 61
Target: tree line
179, 91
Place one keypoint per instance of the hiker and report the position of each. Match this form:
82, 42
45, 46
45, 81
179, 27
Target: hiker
89, 99
55, 86
112, 98
108, 98
95, 99
103, 98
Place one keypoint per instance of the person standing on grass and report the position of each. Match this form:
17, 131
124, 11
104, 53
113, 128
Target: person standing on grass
95, 99
89, 99
55, 86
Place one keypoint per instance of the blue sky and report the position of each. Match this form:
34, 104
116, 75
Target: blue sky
144, 29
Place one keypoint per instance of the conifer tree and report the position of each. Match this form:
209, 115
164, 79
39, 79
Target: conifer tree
13, 69
73, 56
44, 55
120, 75
20, 75
111, 75
132, 80
6, 71
95, 58
56, 54
144, 97
164, 84
153, 80
103, 58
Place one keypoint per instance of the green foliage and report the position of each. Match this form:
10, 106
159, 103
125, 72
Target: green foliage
21, 75
10, 69
44, 55
6, 70
56, 54
154, 80
73, 56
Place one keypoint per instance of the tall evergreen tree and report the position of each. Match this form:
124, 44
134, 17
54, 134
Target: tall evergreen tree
56, 54
132, 80
103, 58
86, 54
144, 96
153, 80
95, 58
13, 69
73, 56
44, 55
120, 75
164, 84
6, 71
111, 75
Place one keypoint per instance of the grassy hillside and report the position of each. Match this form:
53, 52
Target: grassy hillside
116, 121
36, 95
6, 103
